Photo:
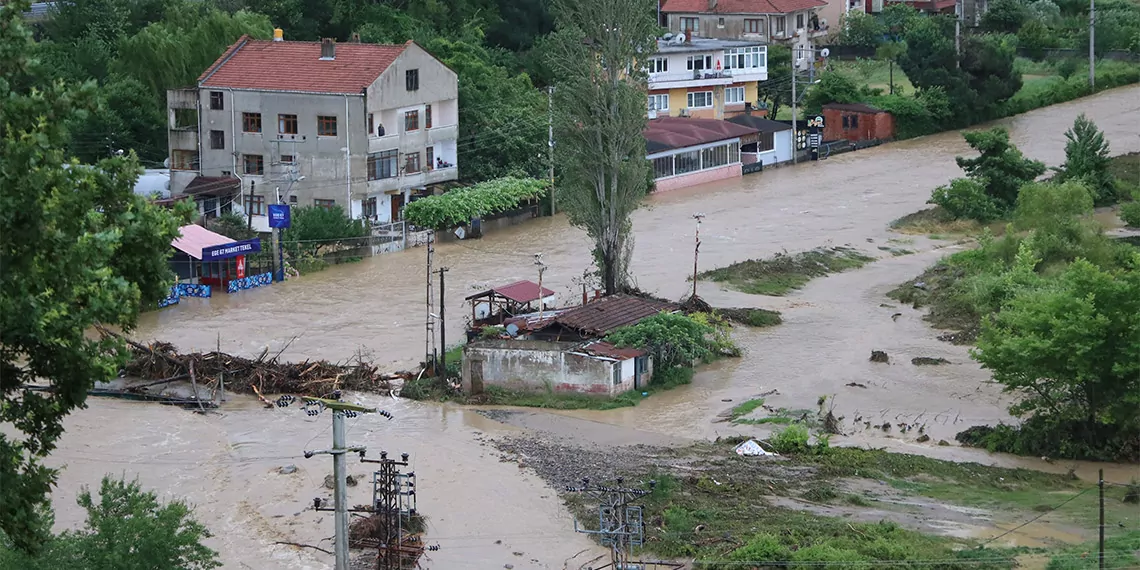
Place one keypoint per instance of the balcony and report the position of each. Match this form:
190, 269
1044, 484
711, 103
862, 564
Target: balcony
184, 139
697, 78
386, 142
437, 175
444, 133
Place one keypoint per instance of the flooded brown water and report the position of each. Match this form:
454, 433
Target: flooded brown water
226, 463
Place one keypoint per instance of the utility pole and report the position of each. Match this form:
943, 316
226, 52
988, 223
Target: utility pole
1092, 59
442, 328
249, 213
958, 13
429, 326
1100, 549
696, 251
541, 270
621, 526
340, 410
795, 135
550, 139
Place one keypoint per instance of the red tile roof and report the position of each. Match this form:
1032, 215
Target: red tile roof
679, 132
297, 66
608, 313
742, 6
519, 292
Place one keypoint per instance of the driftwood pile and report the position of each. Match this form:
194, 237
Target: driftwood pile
160, 362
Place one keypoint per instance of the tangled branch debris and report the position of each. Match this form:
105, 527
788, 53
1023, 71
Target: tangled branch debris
160, 361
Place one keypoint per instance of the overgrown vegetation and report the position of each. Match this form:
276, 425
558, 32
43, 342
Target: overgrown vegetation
320, 235
783, 273
1052, 285
126, 529
459, 206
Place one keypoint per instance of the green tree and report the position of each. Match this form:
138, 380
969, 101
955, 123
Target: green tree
314, 230
77, 248
673, 339
1005, 16
891, 51
127, 118
233, 226
1092, 318
966, 199
127, 529
1001, 167
988, 63
776, 91
833, 87
1087, 158
1035, 37
861, 29
599, 118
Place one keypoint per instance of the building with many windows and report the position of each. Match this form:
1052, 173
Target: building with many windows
769, 21
705, 78
361, 126
687, 152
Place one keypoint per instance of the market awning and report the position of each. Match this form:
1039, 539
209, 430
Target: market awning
201, 243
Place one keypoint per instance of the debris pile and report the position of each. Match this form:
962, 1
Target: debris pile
161, 362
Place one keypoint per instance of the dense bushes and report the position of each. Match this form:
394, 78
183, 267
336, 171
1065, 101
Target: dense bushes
965, 198
677, 340
460, 206
1130, 214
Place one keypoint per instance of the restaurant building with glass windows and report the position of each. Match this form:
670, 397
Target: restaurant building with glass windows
686, 151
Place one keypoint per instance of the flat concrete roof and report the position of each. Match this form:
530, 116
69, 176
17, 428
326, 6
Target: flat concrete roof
702, 44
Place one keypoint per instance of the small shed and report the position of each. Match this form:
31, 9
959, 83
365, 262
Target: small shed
495, 305
773, 144
207, 258
856, 122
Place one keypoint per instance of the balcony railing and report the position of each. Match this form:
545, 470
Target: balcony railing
695, 75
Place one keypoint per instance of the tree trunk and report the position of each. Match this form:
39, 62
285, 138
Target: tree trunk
609, 270
892, 79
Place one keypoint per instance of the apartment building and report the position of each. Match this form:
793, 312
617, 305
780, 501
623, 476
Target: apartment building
793, 22
705, 78
361, 126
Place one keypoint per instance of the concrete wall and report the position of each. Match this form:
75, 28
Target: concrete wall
872, 126
540, 366
701, 177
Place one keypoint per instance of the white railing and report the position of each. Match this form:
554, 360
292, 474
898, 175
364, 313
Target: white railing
389, 237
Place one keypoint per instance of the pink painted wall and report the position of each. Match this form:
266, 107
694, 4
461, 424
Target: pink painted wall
694, 178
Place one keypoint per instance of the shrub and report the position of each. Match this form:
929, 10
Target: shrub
762, 547
1130, 214
672, 338
966, 199
459, 206
792, 439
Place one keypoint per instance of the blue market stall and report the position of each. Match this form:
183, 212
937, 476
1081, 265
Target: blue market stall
205, 260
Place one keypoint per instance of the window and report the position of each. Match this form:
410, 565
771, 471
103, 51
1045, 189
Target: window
846, 123
752, 26
733, 95
412, 79
799, 21
753, 57
720, 22
854, 121
690, 25
766, 142
411, 121
617, 373
659, 102
850, 121
286, 159
699, 62
186, 119
326, 126
217, 103
714, 157
254, 163
287, 124
412, 164
217, 140
382, 165
255, 205
685, 162
227, 207
293, 199
326, 204
368, 208
184, 160
662, 167
251, 122
209, 207
779, 25
658, 65
429, 158
371, 125
733, 153
427, 116
700, 99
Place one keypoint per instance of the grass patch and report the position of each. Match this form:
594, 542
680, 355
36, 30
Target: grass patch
935, 288
934, 222
774, 420
1120, 552
783, 273
875, 74
758, 318
746, 408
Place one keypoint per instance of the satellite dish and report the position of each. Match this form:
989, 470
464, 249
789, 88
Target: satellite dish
824, 52
679, 39
512, 329
166, 163
667, 36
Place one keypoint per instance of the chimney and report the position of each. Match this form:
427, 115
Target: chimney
328, 49
585, 299
712, 5
278, 35
355, 38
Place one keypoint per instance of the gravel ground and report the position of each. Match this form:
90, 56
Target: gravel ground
562, 463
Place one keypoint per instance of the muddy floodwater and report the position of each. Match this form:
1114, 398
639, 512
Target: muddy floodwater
226, 463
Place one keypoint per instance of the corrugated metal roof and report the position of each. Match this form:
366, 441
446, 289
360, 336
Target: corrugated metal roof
608, 313
680, 132
760, 123
854, 107
195, 237
519, 292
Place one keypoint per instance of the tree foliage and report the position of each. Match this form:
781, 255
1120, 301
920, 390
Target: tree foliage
126, 529
776, 91
1005, 16
77, 248
233, 226
861, 29
1087, 158
599, 119
673, 339
460, 206
833, 87
1000, 166
314, 230
966, 199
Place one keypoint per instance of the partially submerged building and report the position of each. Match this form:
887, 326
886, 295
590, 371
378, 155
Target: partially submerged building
563, 350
